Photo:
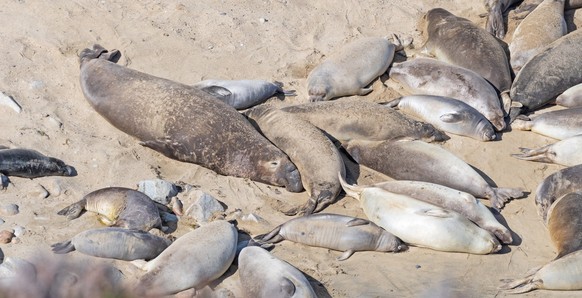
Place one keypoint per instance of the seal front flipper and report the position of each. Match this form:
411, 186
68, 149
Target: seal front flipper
218, 91
168, 147
74, 210
357, 222
346, 255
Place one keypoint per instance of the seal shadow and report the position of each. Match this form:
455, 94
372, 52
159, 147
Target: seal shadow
485, 176
516, 238
317, 286
569, 17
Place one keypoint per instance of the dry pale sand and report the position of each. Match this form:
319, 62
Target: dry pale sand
188, 41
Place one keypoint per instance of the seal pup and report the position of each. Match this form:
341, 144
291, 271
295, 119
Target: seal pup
447, 114
182, 122
337, 232
434, 77
345, 120
549, 73
562, 274
565, 152
315, 156
422, 224
263, 275
119, 207
351, 68
449, 38
571, 98
555, 186
192, 261
450, 199
541, 27
565, 223
29, 163
495, 10
560, 124
243, 94
114, 243
408, 159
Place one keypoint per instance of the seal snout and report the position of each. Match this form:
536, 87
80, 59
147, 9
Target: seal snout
291, 178
69, 171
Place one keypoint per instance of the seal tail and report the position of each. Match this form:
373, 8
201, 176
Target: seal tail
74, 210
63, 247
502, 195
353, 191
540, 154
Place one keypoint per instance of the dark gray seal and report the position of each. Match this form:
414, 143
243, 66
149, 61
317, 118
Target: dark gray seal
555, 186
28, 163
118, 206
337, 232
114, 243
182, 122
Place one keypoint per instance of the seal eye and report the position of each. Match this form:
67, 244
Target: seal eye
274, 163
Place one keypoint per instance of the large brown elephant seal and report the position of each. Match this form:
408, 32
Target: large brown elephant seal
549, 73
345, 120
565, 223
337, 232
555, 186
316, 157
192, 261
540, 28
350, 69
419, 161
438, 78
560, 124
458, 41
114, 243
118, 206
182, 122
262, 275
422, 224
565, 152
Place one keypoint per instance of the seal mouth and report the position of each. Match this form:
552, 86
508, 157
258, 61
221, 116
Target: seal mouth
316, 98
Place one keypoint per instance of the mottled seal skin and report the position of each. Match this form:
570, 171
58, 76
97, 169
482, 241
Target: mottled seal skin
549, 73
345, 120
422, 224
447, 114
419, 161
350, 69
565, 223
555, 186
316, 157
571, 98
114, 243
450, 38
243, 94
119, 207
192, 261
560, 124
495, 10
434, 77
450, 199
28, 163
565, 152
337, 232
182, 122
540, 28
262, 275
561, 275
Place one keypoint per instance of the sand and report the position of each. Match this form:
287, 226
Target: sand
188, 41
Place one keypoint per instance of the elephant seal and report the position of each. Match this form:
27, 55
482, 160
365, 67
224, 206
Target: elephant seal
351, 68
565, 223
449, 38
447, 114
29, 163
571, 98
316, 157
422, 224
555, 186
562, 274
434, 77
450, 199
119, 207
560, 124
182, 122
495, 10
262, 275
337, 232
192, 261
243, 94
419, 161
114, 243
549, 73
345, 120
541, 27
565, 152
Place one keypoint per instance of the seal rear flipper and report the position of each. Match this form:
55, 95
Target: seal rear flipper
357, 222
63, 247
346, 255
271, 237
74, 210
540, 154
501, 196
521, 285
